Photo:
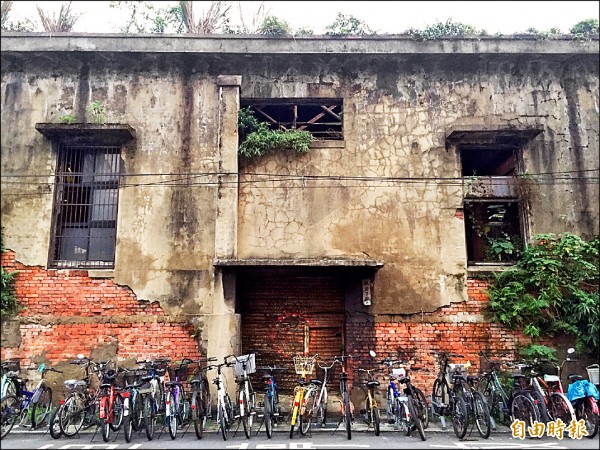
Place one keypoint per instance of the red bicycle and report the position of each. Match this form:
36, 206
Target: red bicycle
111, 400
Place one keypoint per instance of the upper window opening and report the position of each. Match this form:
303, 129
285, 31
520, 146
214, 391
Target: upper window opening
323, 118
487, 162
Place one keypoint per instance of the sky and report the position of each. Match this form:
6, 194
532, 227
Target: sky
504, 17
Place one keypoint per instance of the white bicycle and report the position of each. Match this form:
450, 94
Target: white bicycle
244, 366
225, 415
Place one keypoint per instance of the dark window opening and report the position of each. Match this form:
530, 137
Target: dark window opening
487, 162
323, 118
85, 211
493, 231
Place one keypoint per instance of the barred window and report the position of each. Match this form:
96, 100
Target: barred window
85, 207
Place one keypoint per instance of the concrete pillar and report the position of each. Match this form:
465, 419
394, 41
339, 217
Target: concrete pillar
223, 324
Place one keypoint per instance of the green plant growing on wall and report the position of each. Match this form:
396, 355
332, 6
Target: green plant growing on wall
257, 139
532, 352
440, 30
8, 298
345, 25
553, 288
586, 27
98, 112
272, 26
67, 118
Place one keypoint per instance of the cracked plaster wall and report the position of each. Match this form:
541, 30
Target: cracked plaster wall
396, 112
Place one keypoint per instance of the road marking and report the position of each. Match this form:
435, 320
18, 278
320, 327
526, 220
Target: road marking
45, 446
296, 446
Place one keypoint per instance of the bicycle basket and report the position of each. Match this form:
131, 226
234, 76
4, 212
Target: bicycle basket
250, 365
109, 376
75, 384
594, 373
304, 364
12, 365
487, 366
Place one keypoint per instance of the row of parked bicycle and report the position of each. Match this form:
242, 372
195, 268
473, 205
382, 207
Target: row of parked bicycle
532, 398
159, 395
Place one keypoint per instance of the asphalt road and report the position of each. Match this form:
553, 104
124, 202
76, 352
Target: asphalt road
319, 439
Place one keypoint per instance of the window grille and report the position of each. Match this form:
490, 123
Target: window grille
85, 207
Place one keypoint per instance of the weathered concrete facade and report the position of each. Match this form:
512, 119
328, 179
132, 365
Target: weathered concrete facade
389, 194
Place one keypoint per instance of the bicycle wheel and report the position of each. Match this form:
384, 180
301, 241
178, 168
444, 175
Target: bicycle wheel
402, 417
440, 395
268, 416
104, 419
348, 415
390, 410
376, 420
295, 417
149, 416
127, 425
10, 410
415, 418
322, 410
540, 403
54, 423
171, 415
482, 415
306, 416
223, 422
198, 414
245, 417
560, 408
41, 408
422, 406
71, 415
117, 418
523, 408
590, 418
136, 411
460, 418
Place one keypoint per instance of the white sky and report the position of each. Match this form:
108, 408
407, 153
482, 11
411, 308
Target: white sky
506, 17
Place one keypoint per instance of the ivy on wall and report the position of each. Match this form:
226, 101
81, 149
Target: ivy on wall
553, 288
8, 298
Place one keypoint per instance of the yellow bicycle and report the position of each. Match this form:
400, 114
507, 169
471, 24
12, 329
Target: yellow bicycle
303, 365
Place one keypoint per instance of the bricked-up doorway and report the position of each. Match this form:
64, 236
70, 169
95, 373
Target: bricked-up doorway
286, 312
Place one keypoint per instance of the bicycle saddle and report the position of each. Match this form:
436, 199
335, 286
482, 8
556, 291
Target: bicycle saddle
575, 378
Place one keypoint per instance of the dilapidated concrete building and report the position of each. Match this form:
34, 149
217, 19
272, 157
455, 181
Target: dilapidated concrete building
138, 230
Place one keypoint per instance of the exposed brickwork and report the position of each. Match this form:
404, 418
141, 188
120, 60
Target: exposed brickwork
457, 328
65, 312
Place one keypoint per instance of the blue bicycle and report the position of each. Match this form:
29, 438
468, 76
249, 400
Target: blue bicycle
271, 408
401, 407
29, 408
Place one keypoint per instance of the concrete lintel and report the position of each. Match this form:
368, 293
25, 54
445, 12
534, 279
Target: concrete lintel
229, 80
305, 262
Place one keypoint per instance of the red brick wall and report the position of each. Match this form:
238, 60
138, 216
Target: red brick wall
65, 312
458, 328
